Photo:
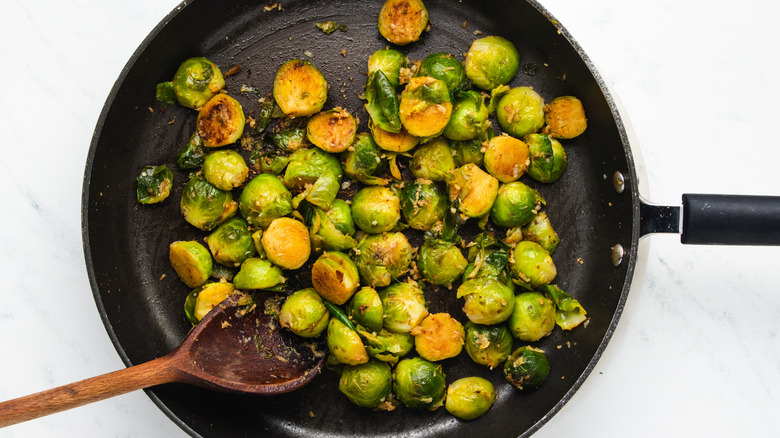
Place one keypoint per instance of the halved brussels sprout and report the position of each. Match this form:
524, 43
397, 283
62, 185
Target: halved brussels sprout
364, 161
220, 121
488, 345
209, 296
382, 102
376, 209
533, 317
345, 344
231, 243
433, 160
389, 62
491, 61
381, 258
299, 88
402, 21
565, 117
404, 306
469, 397
487, 300
196, 81
516, 205
520, 111
192, 154
540, 230
332, 230
205, 206
439, 336
526, 368
445, 67
506, 158
366, 309
419, 384
264, 199
400, 141
423, 204
425, 106
226, 169
387, 346
469, 117
367, 385
335, 277
286, 243
332, 131
257, 273
473, 190
154, 184
191, 261
548, 158
531, 265
468, 151
317, 173
440, 262
304, 314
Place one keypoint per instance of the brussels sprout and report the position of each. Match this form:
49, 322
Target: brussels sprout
154, 184
191, 261
520, 111
299, 88
220, 121
402, 21
419, 384
205, 206
533, 317
439, 336
376, 209
540, 230
404, 306
332, 230
364, 161
344, 344
192, 154
548, 158
400, 141
444, 67
425, 106
304, 314
468, 151
569, 313
381, 258
226, 169
332, 131
286, 243
257, 273
488, 345
423, 204
487, 300
526, 368
469, 397
440, 262
335, 277
389, 62
387, 346
506, 158
366, 309
469, 117
491, 61
196, 81
473, 190
264, 199
488, 257
515, 205
565, 117
231, 243
382, 102
433, 160
367, 385
531, 265
317, 173
209, 296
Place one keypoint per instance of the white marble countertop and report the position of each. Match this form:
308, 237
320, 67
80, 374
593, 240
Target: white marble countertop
696, 352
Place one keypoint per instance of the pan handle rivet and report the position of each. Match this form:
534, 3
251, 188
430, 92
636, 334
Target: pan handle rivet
619, 182
617, 255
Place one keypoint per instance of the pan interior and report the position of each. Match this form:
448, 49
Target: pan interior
140, 297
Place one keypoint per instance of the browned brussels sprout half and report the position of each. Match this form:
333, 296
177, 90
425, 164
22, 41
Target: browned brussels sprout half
488, 345
196, 81
419, 384
368, 384
506, 158
263, 199
400, 141
425, 107
220, 121
469, 397
526, 368
402, 21
548, 158
154, 184
565, 117
191, 261
231, 243
439, 336
335, 277
304, 314
473, 190
445, 67
286, 243
332, 131
205, 206
382, 258
515, 205
364, 161
299, 88
491, 61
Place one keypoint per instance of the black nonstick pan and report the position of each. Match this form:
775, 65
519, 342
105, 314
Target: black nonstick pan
126, 244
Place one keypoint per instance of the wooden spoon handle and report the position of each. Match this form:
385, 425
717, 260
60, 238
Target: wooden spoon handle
76, 394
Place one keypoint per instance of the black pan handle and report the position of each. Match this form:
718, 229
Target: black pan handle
716, 219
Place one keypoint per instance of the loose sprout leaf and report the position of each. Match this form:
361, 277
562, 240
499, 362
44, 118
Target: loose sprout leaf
495, 96
569, 313
339, 314
331, 26
192, 154
382, 102
154, 184
165, 93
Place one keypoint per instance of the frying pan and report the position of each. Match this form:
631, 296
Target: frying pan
126, 244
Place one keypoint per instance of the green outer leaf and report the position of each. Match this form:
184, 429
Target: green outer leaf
569, 313
382, 102
154, 184
165, 93
339, 314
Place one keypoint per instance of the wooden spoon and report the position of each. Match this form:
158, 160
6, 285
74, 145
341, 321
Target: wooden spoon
232, 349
